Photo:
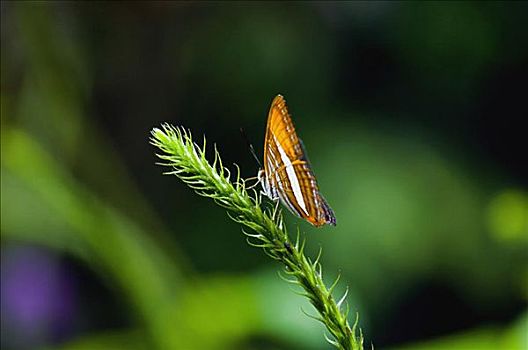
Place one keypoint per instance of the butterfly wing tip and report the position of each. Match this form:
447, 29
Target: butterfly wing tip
329, 215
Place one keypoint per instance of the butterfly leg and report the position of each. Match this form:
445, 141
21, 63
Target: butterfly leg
276, 209
254, 185
273, 197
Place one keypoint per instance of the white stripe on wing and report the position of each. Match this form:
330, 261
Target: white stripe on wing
292, 177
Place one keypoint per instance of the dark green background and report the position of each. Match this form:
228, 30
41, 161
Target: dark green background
412, 113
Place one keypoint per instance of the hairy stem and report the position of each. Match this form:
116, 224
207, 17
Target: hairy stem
263, 228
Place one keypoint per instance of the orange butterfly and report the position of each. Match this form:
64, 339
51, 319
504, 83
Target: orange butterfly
287, 175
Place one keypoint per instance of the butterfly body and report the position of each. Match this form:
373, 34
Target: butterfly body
287, 175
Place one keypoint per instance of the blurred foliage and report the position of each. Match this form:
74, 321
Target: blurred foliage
489, 338
412, 114
508, 216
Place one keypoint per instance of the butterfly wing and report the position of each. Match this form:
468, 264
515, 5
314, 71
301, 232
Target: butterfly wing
288, 173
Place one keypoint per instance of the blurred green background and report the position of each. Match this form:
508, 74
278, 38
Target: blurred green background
413, 115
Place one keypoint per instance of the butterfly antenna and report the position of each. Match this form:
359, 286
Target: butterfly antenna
250, 145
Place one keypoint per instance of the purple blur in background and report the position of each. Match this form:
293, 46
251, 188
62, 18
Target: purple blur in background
37, 297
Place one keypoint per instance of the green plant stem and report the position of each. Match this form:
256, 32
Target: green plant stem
263, 228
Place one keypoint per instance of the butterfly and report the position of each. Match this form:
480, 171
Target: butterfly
287, 175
